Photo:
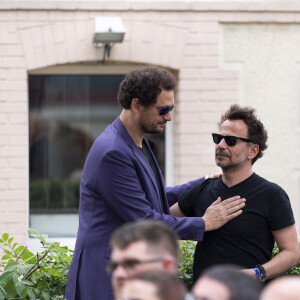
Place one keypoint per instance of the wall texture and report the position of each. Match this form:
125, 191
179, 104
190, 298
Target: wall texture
223, 52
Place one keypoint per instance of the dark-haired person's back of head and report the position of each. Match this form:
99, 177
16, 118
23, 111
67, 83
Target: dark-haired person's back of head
226, 282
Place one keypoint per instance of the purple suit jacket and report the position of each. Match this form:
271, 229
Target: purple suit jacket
117, 186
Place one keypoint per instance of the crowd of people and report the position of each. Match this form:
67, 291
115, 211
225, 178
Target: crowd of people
129, 222
144, 262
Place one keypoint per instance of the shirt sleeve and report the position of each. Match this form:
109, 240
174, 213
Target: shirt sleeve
280, 213
186, 201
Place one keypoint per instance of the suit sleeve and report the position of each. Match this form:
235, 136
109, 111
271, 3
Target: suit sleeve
173, 193
119, 184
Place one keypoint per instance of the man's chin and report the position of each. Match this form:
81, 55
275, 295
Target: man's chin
156, 131
118, 288
159, 131
221, 164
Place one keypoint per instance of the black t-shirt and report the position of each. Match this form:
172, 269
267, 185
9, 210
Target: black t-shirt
149, 157
246, 240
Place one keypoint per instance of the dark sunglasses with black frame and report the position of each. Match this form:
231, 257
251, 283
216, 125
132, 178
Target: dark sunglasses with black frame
230, 140
164, 110
129, 263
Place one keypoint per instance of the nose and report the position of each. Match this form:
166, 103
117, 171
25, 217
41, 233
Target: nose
168, 116
222, 144
120, 272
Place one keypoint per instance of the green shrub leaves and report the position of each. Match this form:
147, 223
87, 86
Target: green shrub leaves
185, 270
25, 275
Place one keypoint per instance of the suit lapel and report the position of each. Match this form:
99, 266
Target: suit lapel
137, 152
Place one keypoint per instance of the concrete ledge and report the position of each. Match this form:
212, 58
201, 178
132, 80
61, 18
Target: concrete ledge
224, 6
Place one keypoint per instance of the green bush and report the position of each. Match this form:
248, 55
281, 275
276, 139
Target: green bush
25, 275
53, 193
185, 270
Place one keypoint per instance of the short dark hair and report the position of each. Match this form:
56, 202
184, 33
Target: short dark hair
256, 129
158, 236
145, 84
241, 285
168, 286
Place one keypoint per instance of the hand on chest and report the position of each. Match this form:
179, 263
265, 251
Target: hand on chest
253, 222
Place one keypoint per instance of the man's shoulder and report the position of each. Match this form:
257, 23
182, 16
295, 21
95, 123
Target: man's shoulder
108, 142
263, 182
205, 185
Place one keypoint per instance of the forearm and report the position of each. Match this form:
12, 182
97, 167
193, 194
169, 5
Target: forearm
127, 199
191, 228
176, 211
288, 255
281, 262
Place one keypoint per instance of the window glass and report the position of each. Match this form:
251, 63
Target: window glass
66, 114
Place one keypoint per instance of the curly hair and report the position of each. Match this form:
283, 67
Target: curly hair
256, 129
145, 84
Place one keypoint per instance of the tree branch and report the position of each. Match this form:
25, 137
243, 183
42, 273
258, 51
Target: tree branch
36, 266
18, 257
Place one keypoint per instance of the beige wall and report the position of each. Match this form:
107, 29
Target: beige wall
224, 53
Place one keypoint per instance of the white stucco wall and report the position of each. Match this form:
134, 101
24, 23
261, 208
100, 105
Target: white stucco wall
223, 52
267, 58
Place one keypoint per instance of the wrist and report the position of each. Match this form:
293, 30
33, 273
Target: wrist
256, 272
262, 273
206, 226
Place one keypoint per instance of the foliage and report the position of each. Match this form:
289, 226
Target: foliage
25, 275
185, 270
54, 193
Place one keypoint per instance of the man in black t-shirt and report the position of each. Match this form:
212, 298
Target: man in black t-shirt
247, 240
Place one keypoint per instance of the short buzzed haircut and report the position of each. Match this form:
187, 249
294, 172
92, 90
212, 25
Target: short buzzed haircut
168, 286
159, 237
256, 129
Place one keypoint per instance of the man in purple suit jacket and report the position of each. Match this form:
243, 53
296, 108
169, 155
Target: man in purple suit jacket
122, 182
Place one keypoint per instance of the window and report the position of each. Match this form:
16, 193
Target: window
66, 114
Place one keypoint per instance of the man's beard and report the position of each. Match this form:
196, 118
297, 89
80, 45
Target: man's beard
150, 130
229, 164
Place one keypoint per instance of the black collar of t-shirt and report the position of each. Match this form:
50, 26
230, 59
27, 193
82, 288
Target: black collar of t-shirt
240, 184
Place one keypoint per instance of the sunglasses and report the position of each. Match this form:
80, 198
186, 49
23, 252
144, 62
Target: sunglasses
230, 140
129, 264
164, 110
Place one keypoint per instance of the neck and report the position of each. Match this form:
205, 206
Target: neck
128, 120
234, 177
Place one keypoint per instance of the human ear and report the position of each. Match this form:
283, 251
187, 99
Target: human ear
169, 264
135, 105
253, 151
